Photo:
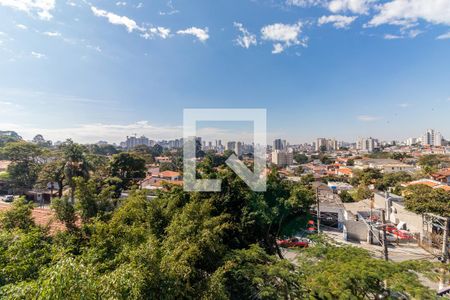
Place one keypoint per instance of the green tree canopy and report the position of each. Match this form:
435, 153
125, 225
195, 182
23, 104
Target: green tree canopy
18, 216
301, 158
129, 168
345, 272
424, 199
26, 161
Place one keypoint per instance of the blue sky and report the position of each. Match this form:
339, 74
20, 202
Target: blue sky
101, 70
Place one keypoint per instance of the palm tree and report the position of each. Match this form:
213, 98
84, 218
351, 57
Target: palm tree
76, 164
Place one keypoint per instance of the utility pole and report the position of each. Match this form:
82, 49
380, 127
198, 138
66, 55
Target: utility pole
318, 209
445, 242
385, 248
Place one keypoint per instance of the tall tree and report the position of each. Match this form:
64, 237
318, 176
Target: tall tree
65, 212
129, 168
52, 176
76, 164
92, 200
26, 161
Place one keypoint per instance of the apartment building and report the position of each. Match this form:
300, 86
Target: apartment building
282, 158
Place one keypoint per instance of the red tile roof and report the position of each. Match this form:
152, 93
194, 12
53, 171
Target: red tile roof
42, 217
427, 182
169, 174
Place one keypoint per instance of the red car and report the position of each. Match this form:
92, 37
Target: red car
293, 242
400, 234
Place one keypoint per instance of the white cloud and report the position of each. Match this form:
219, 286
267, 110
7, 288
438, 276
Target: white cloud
201, 34
161, 32
41, 8
52, 33
147, 33
392, 37
367, 118
169, 13
283, 36
21, 26
415, 32
444, 36
338, 21
277, 48
355, 6
38, 55
404, 34
121, 3
246, 39
404, 105
304, 3
400, 12
171, 9
116, 19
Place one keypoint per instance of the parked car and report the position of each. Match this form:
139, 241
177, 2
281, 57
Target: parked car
294, 242
390, 237
399, 233
8, 198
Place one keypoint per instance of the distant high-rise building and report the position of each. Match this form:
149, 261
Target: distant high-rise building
279, 144
133, 141
321, 143
431, 138
231, 146
411, 141
332, 144
367, 144
239, 149
282, 158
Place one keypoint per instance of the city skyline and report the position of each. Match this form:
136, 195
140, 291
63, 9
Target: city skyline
429, 138
92, 70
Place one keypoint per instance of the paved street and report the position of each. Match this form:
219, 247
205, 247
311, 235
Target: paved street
397, 253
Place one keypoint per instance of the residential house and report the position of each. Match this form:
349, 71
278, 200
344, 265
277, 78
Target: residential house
442, 176
430, 183
344, 172
170, 175
385, 165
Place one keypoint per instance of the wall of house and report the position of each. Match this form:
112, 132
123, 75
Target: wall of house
393, 169
355, 230
397, 213
380, 201
400, 214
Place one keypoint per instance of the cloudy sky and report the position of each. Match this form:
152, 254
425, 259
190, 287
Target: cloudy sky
101, 70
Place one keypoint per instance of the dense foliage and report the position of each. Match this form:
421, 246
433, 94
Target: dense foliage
176, 245
424, 199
